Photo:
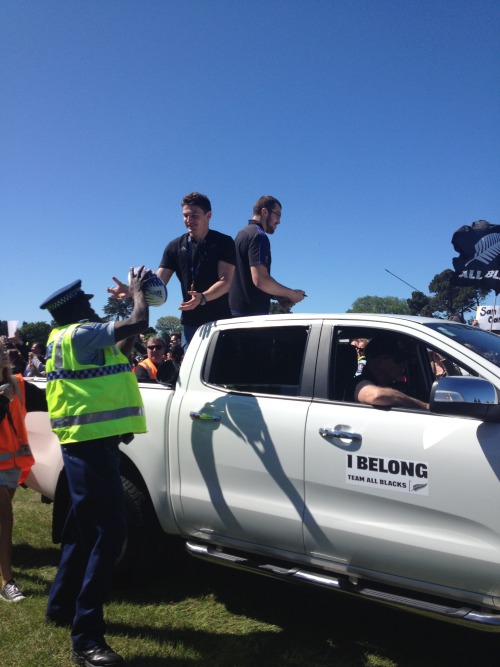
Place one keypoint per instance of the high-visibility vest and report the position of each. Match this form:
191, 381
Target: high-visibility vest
15, 451
149, 366
88, 402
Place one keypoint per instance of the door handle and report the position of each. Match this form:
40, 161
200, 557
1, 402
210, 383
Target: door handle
334, 433
203, 416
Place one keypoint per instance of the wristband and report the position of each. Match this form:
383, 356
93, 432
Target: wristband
203, 299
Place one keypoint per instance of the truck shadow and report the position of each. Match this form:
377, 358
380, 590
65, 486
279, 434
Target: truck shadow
243, 417
307, 627
342, 630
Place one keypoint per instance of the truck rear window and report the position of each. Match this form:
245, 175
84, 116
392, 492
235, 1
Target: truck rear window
258, 360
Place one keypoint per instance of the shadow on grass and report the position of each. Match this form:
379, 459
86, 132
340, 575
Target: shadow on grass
27, 556
345, 628
334, 629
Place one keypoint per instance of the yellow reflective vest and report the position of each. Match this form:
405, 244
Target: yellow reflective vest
87, 402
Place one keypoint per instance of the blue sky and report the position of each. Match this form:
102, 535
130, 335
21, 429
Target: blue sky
375, 122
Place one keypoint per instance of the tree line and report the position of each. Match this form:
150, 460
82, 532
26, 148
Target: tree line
444, 299
33, 332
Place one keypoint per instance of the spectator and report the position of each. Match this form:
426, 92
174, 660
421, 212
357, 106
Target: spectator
94, 404
176, 355
253, 287
385, 364
203, 261
36, 361
16, 398
147, 368
16, 362
175, 339
15, 342
360, 345
437, 364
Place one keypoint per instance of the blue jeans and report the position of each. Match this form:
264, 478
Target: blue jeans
92, 540
187, 333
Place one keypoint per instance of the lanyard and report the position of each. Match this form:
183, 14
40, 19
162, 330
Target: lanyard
200, 256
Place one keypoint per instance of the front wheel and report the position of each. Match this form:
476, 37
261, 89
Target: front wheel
141, 529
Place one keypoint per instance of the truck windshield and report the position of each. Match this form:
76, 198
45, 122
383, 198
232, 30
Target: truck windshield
484, 343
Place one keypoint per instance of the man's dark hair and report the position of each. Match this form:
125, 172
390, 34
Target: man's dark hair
197, 199
266, 201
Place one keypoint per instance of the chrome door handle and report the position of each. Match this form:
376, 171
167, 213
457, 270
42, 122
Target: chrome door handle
334, 433
203, 416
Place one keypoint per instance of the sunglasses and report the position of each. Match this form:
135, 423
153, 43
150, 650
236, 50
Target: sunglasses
155, 347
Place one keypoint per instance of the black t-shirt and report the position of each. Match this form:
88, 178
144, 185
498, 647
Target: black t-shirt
252, 248
196, 267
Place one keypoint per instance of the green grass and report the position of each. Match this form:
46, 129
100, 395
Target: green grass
180, 612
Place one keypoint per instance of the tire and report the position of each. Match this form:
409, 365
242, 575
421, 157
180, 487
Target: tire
142, 526
140, 529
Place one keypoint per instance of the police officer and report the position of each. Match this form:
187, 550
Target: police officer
94, 404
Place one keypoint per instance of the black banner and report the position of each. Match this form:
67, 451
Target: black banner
479, 262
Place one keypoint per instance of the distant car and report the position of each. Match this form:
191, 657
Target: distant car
259, 458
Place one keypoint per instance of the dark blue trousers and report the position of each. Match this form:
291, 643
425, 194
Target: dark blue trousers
93, 537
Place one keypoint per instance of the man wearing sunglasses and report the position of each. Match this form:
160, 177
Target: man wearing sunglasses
253, 287
147, 368
385, 365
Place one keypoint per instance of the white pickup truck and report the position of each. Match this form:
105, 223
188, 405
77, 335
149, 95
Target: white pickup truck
258, 456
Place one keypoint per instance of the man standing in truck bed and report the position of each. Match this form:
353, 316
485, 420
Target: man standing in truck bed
253, 287
203, 260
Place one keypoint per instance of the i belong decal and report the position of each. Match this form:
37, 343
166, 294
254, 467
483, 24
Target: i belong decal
388, 474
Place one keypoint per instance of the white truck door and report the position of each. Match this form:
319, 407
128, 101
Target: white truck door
403, 493
241, 442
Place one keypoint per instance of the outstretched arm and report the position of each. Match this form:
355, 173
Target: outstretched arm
121, 290
372, 394
262, 280
127, 330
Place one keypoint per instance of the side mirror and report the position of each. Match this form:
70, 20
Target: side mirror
466, 397
167, 373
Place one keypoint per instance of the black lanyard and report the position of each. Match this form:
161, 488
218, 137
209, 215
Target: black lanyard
200, 256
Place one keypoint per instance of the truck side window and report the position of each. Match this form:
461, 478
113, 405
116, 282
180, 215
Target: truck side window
259, 360
345, 368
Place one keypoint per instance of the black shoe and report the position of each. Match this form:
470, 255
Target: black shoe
96, 656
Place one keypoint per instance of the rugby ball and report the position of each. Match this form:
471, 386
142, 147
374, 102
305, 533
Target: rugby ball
155, 291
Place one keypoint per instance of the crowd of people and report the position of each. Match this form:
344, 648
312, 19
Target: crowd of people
24, 360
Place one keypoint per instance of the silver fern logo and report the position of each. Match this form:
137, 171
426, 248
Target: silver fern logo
486, 249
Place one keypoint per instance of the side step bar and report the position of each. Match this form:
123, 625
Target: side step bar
429, 606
